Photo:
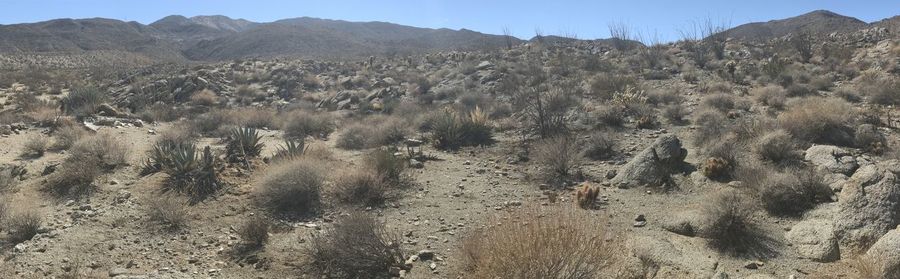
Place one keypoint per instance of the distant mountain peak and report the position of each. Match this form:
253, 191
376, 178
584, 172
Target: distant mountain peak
815, 22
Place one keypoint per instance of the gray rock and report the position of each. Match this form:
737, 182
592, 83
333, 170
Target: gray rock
654, 165
885, 254
831, 159
484, 65
814, 239
685, 223
869, 206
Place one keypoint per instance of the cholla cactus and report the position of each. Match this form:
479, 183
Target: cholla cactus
586, 195
630, 96
715, 167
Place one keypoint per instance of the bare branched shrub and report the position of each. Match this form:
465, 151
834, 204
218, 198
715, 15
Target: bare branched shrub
374, 249
22, 225
168, 212
292, 187
533, 236
302, 124
819, 120
730, 224
560, 156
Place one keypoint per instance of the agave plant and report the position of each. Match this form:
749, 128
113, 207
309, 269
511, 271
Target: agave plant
290, 150
161, 156
243, 143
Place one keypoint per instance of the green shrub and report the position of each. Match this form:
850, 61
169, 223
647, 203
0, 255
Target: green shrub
83, 101
452, 131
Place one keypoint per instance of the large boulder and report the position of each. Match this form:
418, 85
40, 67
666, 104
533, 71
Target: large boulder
654, 165
869, 206
672, 259
814, 239
831, 159
885, 255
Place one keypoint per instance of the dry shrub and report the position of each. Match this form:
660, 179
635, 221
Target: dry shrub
258, 118
354, 137
249, 93
254, 232
599, 146
551, 243
819, 120
204, 97
22, 225
772, 95
103, 149
675, 113
66, 136
776, 146
605, 85
373, 132
791, 193
731, 228
214, 123
374, 250
301, 124
35, 146
83, 101
178, 134
451, 130
847, 95
293, 187
168, 212
664, 97
73, 178
711, 125
609, 115
883, 91
560, 156
387, 165
720, 101
9, 176
797, 90
360, 186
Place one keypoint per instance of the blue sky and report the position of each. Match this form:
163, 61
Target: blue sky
586, 19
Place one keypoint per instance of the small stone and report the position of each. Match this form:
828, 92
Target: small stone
433, 266
753, 265
426, 254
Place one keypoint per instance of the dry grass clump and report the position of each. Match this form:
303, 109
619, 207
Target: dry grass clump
22, 225
292, 187
361, 186
373, 133
560, 156
819, 120
168, 212
254, 232
35, 146
205, 98
374, 250
551, 243
674, 113
791, 193
711, 125
883, 91
66, 136
213, 123
302, 124
776, 146
103, 149
599, 146
258, 118
771, 95
720, 101
354, 137
604, 86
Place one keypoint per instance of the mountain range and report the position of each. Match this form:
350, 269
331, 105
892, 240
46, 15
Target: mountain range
216, 38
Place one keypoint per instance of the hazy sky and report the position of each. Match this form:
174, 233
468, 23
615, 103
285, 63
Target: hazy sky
586, 19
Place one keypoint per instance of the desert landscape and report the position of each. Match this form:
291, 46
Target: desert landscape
212, 147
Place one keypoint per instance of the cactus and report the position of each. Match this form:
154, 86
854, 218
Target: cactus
586, 196
243, 143
715, 167
290, 150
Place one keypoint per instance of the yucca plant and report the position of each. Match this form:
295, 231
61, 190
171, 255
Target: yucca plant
243, 143
188, 173
290, 150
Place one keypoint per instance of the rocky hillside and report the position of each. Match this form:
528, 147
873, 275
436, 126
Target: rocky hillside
816, 22
223, 38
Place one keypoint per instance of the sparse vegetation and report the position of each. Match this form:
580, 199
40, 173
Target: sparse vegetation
300, 125
450, 130
168, 212
819, 120
292, 187
560, 156
532, 236
255, 232
22, 225
375, 249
